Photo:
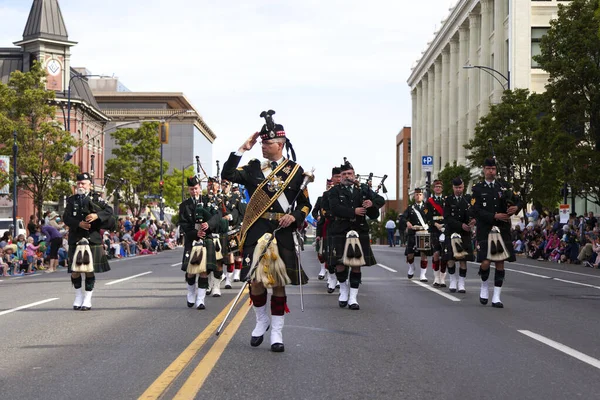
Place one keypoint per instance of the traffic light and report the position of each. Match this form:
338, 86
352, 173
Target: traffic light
161, 184
163, 132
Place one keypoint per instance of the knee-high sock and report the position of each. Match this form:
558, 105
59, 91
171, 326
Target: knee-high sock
342, 275
443, 265
89, 283
191, 280
76, 282
498, 278
423, 264
259, 300
202, 283
279, 305
355, 278
452, 270
485, 274
435, 265
462, 272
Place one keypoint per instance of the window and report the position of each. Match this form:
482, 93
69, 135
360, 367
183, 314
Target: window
536, 37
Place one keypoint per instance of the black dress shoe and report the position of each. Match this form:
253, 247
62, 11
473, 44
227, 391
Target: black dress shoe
337, 286
190, 305
277, 348
321, 277
462, 291
498, 305
76, 308
442, 285
423, 280
410, 276
354, 306
452, 290
216, 295
330, 290
201, 307
236, 280
84, 308
227, 286
256, 341
342, 304
435, 284
483, 301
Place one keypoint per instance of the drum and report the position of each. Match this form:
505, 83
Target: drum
233, 240
423, 240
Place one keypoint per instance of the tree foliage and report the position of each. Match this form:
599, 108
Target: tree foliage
529, 147
174, 184
454, 171
570, 53
137, 161
42, 144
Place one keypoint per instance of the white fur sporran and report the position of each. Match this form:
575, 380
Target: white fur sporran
353, 252
82, 259
218, 249
270, 269
458, 247
197, 260
496, 247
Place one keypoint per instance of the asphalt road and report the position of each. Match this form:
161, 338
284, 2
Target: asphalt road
408, 341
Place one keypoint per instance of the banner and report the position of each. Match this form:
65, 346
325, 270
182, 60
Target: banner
565, 210
5, 169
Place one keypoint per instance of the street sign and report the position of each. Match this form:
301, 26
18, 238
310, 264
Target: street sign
565, 210
427, 163
152, 196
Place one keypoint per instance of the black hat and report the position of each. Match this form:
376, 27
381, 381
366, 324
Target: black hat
212, 179
335, 171
266, 134
457, 181
84, 177
489, 162
346, 166
193, 181
418, 190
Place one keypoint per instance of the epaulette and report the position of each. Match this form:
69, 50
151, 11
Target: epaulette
254, 160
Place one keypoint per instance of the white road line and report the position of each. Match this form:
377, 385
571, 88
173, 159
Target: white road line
577, 283
434, 290
128, 278
37, 303
388, 268
557, 270
176, 264
528, 273
594, 362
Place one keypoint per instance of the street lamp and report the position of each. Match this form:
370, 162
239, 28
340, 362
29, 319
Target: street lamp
15, 151
490, 71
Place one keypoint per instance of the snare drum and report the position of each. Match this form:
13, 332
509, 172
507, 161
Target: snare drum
233, 240
423, 240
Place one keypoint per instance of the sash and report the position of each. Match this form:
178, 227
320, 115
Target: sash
267, 193
435, 205
423, 224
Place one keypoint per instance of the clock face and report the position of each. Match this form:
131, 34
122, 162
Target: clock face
53, 67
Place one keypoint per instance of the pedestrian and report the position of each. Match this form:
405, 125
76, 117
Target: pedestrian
390, 227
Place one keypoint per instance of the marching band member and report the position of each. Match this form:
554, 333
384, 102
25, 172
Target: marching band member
197, 225
234, 207
350, 246
317, 214
434, 210
458, 235
415, 216
492, 207
272, 185
86, 216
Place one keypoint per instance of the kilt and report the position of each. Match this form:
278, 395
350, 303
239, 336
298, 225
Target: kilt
211, 257
482, 248
336, 245
98, 255
436, 245
467, 245
289, 259
411, 246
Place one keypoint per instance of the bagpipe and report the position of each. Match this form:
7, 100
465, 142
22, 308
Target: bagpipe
367, 192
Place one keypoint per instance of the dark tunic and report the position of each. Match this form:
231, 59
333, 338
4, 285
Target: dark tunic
456, 213
251, 176
411, 215
342, 203
434, 216
77, 209
487, 201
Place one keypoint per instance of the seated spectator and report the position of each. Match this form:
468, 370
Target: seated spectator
3, 264
519, 246
4, 239
11, 261
31, 254
128, 244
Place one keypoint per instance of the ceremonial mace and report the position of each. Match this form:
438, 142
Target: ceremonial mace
308, 178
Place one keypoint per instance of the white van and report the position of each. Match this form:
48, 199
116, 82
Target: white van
6, 224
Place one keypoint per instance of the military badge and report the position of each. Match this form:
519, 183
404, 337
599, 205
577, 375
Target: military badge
473, 201
287, 170
425, 211
275, 183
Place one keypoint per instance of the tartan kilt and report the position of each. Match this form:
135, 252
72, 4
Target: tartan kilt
411, 247
467, 245
98, 256
289, 259
436, 245
211, 257
336, 245
482, 248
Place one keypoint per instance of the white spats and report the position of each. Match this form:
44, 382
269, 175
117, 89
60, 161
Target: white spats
191, 293
78, 299
453, 282
344, 291
216, 286
352, 297
436, 278
442, 279
236, 275
411, 270
277, 328
331, 281
228, 279
461, 284
496, 295
322, 272
484, 291
200, 298
87, 300
423, 277
262, 321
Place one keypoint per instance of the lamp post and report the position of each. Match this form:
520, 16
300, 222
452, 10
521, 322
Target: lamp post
491, 71
15, 150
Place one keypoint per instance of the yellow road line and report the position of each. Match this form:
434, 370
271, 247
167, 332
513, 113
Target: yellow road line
162, 383
194, 383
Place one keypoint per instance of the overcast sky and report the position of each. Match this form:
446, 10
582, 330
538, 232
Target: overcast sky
335, 71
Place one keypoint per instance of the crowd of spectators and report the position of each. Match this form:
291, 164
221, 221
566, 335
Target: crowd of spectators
46, 247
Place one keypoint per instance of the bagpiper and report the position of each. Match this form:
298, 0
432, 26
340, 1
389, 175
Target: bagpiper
273, 186
493, 204
434, 211
351, 203
458, 244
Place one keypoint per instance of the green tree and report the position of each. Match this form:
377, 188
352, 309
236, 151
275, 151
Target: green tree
173, 187
453, 171
529, 147
25, 108
137, 160
570, 53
